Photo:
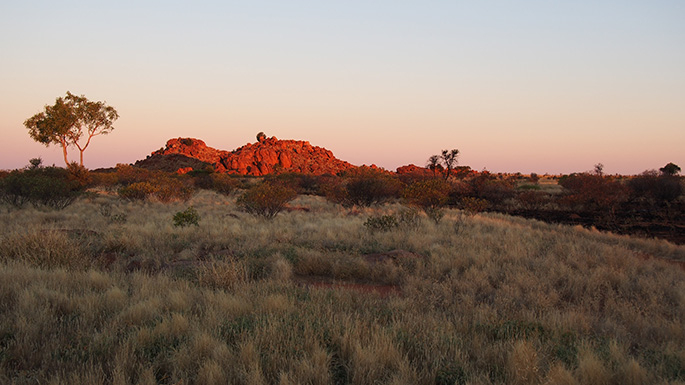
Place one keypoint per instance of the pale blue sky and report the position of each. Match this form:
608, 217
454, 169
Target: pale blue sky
530, 86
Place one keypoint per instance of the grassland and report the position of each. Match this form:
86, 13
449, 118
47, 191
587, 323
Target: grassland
109, 291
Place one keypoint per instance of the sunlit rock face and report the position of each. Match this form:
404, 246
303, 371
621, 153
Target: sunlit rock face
267, 156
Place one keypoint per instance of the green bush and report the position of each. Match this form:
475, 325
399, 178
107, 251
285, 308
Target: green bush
266, 199
187, 217
49, 186
381, 223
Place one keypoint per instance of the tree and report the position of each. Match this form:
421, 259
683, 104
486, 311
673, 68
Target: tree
449, 159
446, 162
670, 169
434, 164
71, 121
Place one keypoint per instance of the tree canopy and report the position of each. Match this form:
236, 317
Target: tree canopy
445, 162
670, 169
71, 121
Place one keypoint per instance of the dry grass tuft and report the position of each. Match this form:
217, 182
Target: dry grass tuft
523, 363
222, 274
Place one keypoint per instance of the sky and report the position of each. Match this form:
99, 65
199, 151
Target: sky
517, 86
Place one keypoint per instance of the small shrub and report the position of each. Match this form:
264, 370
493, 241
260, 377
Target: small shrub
381, 223
532, 199
534, 178
409, 218
118, 218
137, 191
430, 195
162, 187
488, 187
223, 183
364, 187
333, 188
302, 183
126, 174
594, 192
473, 206
168, 189
106, 211
266, 200
79, 174
435, 213
186, 217
104, 179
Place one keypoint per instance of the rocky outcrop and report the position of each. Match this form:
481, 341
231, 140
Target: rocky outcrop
172, 163
267, 156
413, 169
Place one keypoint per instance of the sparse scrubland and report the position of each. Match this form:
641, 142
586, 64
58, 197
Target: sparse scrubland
109, 290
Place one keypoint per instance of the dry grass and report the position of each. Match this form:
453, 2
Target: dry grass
85, 299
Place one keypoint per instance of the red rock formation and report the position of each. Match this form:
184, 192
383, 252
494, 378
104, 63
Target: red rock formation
268, 155
414, 169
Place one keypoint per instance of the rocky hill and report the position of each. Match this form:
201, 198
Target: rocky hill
266, 156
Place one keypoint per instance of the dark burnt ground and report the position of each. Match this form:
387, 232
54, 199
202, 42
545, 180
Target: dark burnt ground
669, 226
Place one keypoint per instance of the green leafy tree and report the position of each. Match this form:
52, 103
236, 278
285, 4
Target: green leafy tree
71, 121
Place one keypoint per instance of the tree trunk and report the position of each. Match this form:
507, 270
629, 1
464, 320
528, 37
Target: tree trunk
64, 152
81, 149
